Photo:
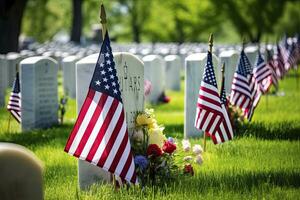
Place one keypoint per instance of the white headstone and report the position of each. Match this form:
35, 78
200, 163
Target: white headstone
3, 79
251, 52
173, 64
130, 71
39, 100
21, 173
155, 73
230, 58
13, 60
194, 68
69, 77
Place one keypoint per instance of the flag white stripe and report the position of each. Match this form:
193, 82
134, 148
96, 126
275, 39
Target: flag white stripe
130, 171
207, 120
201, 117
97, 127
123, 159
118, 141
210, 105
216, 120
108, 133
85, 123
209, 95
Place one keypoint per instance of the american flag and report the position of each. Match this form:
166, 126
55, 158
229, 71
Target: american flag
100, 134
210, 115
14, 103
279, 62
243, 86
262, 74
271, 64
224, 132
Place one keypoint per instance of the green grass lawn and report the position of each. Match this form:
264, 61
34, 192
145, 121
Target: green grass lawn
262, 162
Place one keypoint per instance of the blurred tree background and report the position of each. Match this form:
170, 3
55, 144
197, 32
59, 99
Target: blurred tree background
154, 20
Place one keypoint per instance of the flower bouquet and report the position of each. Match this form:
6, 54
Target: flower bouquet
153, 152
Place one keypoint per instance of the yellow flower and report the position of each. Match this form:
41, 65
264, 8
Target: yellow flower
153, 124
143, 119
156, 136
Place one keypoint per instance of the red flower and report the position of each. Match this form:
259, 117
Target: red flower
169, 147
153, 149
188, 169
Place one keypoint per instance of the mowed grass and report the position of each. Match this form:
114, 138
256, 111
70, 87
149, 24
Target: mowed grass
262, 162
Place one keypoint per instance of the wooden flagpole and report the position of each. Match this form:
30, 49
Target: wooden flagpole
103, 22
210, 44
8, 123
267, 60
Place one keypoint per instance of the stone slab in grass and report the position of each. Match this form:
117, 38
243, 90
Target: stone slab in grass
173, 63
156, 74
69, 81
39, 96
20, 172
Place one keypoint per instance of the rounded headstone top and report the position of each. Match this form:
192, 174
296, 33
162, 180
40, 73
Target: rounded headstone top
91, 59
171, 57
35, 59
151, 58
70, 59
10, 149
196, 57
251, 49
12, 55
227, 53
126, 54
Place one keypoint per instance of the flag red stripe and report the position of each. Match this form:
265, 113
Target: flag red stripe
103, 129
83, 111
91, 125
119, 152
127, 165
112, 140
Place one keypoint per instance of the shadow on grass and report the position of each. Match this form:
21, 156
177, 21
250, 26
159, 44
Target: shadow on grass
240, 181
280, 131
174, 130
39, 137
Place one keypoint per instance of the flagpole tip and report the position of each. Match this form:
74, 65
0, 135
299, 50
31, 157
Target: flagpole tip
243, 43
211, 42
102, 14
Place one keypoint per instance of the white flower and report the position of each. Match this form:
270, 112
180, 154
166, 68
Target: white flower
187, 158
199, 159
186, 145
138, 135
197, 149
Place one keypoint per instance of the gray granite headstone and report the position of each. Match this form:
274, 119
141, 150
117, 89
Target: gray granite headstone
69, 83
194, 68
38, 78
230, 58
13, 60
251, 52
155, 73
21, 173
130, 71
173, 66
